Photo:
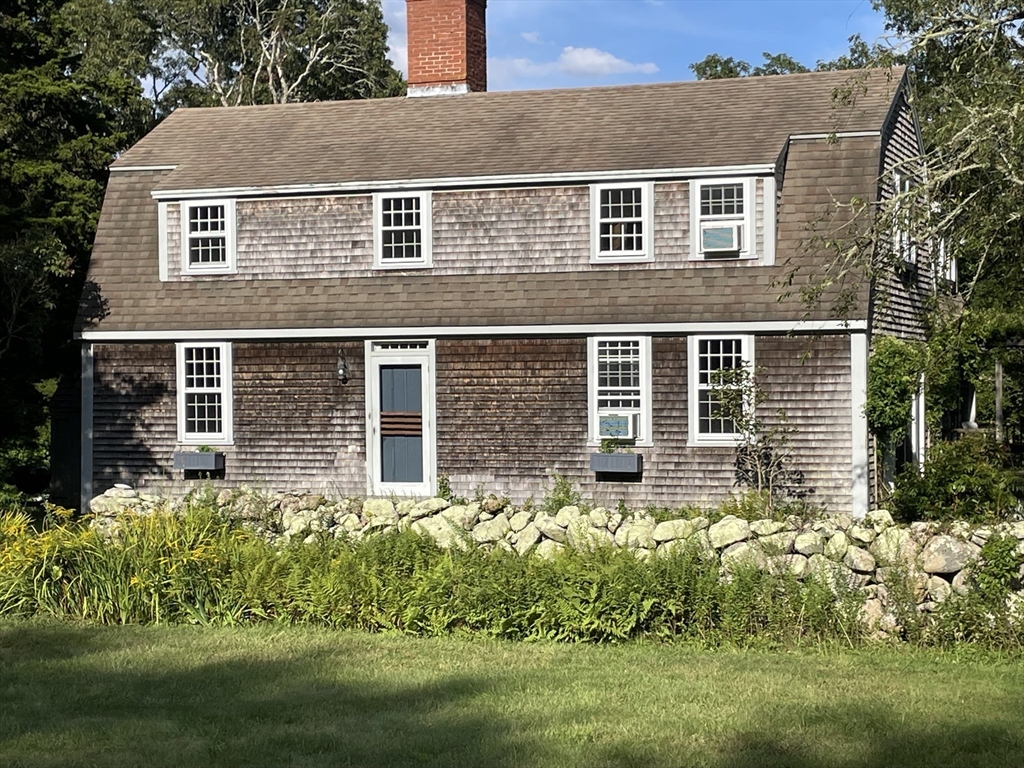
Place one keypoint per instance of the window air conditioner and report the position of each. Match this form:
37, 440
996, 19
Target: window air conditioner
721, 238
617, 426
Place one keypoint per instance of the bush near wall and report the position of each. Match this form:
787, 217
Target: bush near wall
432, 567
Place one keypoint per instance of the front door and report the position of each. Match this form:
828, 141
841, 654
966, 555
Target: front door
400, 436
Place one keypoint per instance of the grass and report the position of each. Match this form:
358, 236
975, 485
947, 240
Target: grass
74, 695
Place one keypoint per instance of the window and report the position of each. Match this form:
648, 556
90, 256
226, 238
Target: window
208, 237
204, 393
902, 241
402, 230
722, 212
620, 389
622, 222
707, 357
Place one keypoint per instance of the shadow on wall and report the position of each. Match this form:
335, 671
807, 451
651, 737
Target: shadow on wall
132, 416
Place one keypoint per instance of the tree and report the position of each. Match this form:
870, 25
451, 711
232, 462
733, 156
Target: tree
716, 67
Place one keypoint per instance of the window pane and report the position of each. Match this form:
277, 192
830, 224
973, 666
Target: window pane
401, 230
203, 413
714, 355
721, 200
620, 220
618, 375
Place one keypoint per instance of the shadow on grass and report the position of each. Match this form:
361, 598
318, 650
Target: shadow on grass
259, 712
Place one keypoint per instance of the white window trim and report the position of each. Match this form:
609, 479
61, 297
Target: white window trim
692, 366
646, 437
161, 240
749, 250
902, 239
226, 437
230, 267
646, 217
426, 231
425, 357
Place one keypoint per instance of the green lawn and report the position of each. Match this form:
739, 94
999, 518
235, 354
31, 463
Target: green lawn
150, 696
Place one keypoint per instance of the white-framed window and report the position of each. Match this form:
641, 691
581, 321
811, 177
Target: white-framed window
902, 238
722, 215
619, 374
204, 393
706, 357
401, 230
622, 222
207, 237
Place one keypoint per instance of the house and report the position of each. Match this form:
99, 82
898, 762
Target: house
365, 297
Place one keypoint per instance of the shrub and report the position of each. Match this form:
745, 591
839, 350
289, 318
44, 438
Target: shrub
966, 479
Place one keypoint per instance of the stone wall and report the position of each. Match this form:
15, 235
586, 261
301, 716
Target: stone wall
870, 554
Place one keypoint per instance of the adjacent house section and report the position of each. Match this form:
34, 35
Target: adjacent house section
500, 290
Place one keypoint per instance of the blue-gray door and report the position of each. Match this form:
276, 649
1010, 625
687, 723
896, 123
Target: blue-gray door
401, 423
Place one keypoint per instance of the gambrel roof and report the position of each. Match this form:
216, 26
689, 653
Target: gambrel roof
737, 122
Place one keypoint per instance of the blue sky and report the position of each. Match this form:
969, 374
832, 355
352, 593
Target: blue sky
570, 43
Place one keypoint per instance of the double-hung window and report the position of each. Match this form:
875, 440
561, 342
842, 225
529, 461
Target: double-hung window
401, 231
620, 389
207, 237
710, 359
903, 209
622, 222
204, 393
722, 212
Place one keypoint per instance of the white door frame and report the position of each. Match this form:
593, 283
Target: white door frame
397, 352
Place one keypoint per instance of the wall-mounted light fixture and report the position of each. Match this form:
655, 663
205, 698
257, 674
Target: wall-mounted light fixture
342, 368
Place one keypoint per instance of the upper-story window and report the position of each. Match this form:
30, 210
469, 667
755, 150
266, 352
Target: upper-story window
401, 231
621, 222
723, 218
207, 237
902, 237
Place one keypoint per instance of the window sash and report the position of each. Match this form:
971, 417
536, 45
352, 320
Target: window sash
204, 398
401, 229
722, 201
621, 222
707, 356
207, 236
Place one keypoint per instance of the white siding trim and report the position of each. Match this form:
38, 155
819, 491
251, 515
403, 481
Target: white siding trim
859, 420
161, 236
836, 135
513, 179
132, 168
582, 329
771, 212
85, 481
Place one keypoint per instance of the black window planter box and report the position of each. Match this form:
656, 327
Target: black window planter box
199, 461
616, 463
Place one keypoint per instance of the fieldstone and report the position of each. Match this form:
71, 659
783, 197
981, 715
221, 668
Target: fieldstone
290, 504
894, 546
310, 501
939, 589
795, 565
702, 543
443, 531
464, 516
834, 575
961, 529
766, 527
1016, 530
519, 521
860, 534
916, 581
778, 543
614, 521
961, 582
405, 507
566, 515
492, 530
548, 549
526, 538
842, 520
349, 522
120, 491
879, 519
744, 553
871, 613
428, 507
729, 530
809, 543
835, 548
859, 560
224, 497
582, 535
928, 606
549, 527
981, 536
493, 505
827, 527
484, 516
598, 517
670, 530
379, 512
643, 554
946, 554
636, 533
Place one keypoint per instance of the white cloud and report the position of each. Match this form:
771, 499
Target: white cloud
591, 62
577, 62
531, 37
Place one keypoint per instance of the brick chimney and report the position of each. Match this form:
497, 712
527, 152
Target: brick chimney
447, 46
